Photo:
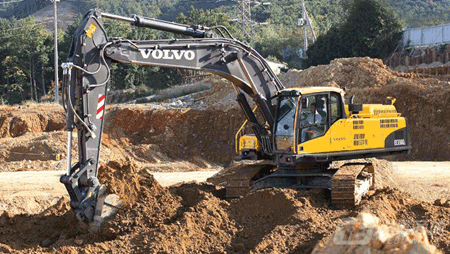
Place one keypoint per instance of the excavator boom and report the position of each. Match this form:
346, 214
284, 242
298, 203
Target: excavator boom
87, 73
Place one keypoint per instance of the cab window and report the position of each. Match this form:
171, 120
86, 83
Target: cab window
336, 107
313, 117
284, 131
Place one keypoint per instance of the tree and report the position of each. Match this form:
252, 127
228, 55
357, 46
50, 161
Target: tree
371, 29
326, 48
24, 50
210, 18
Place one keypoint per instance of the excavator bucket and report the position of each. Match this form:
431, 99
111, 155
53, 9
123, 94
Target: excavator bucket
107, 206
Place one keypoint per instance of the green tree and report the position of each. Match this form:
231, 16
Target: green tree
371, 29
326, 48
209, 18
24, 51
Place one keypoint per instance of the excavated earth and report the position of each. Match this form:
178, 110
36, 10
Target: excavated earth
195, 217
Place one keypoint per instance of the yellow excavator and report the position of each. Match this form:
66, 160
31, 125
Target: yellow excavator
314, 128
298, 133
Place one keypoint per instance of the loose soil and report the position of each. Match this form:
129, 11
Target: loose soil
194, 217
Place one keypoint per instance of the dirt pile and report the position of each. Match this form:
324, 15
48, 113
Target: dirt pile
221, 95
177, 139
194, 218
18, 120
366, 234
199, 136
392, 205
422, 100
42, 146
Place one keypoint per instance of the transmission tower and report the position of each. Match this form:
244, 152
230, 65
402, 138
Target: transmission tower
306, 23
244, 16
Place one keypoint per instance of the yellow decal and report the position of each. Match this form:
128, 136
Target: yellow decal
91, 30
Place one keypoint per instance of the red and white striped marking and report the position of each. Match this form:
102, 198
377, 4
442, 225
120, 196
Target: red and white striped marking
100, 106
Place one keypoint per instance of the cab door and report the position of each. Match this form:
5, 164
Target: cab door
313, 119
338, 123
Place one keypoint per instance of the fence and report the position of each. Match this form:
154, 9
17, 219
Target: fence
426, 36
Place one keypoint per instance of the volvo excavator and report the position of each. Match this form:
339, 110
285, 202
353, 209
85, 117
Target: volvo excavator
297, 134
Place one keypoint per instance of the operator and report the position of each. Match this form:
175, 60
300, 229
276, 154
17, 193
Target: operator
321, 110
315, 123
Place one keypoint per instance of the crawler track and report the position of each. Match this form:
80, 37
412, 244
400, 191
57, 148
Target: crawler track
241, 177
350, 183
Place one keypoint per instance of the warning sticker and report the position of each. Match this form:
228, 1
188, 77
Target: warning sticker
91, 30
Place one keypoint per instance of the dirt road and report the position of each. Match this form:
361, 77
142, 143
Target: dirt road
33, 191
426, 181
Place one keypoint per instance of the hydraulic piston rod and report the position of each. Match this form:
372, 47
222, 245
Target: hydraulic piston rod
137, 20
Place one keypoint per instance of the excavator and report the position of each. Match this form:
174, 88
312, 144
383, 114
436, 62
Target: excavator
296, 132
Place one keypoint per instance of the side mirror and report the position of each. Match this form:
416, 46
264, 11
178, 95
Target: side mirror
352, 98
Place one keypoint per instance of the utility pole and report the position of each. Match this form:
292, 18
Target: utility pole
56, 50
305, 22
244, 17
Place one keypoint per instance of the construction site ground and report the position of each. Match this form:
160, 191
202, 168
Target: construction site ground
147, 148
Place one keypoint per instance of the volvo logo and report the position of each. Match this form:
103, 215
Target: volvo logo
168, 54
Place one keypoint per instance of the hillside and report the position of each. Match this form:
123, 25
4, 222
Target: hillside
324, 12
66, 15
422, 13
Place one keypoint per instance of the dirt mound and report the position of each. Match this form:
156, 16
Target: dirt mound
221, 95
391, 205
194, 218
18, 120
181, 134
19, 233
367, 235
282, 221
34, 146
174, 139
422, 100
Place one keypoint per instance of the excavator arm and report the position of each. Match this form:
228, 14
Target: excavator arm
87, 73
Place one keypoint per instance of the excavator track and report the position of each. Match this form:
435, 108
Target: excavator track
237, 179
239, 184
350, 183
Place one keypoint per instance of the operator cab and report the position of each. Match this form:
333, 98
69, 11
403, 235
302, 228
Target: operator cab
304, 114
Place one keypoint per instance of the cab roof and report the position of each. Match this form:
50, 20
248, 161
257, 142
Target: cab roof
314, 89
